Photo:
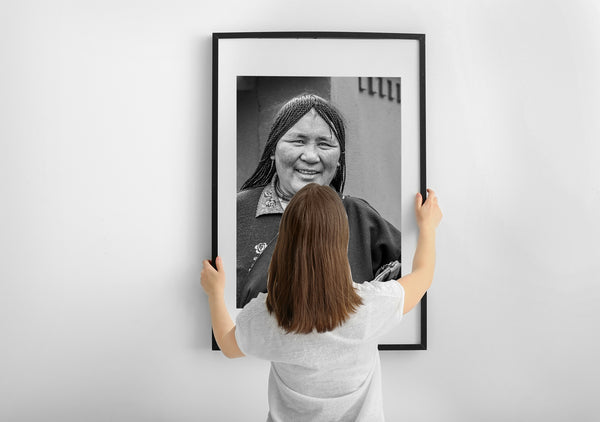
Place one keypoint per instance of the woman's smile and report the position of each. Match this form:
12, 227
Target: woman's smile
307, 153
307, 172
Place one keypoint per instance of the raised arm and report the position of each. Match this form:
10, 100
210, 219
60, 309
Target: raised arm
213, 282
419, 280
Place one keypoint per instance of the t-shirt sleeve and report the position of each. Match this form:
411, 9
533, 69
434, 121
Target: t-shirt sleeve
383, 303
241, 335
242, 330
249, 324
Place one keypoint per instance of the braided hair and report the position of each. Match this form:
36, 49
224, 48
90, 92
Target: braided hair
288, 116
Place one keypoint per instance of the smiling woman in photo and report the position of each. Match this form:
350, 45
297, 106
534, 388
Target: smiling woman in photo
306, 144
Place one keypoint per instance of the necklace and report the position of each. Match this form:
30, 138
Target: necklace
280, 194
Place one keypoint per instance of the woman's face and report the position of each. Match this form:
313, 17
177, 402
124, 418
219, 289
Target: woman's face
307, 153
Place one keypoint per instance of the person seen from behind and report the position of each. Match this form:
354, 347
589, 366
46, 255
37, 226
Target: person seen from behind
317, 327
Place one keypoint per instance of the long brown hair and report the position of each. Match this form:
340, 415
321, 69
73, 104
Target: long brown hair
310, 284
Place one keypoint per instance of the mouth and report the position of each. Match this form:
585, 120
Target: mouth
307, 172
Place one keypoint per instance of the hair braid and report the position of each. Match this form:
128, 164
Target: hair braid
288, 116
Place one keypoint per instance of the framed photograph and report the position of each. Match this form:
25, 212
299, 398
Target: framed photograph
368, 89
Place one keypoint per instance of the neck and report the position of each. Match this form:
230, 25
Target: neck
280, 193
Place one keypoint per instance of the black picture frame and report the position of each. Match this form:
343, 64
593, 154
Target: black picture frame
417, 41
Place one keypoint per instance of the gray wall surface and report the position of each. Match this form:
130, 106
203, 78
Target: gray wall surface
105, 213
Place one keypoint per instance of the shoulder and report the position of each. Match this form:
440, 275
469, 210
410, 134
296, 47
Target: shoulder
253, 314
254, 309
249, 195
358, 205
360, 212
379, 288
384, 298
253, 324
383, 304
247, 201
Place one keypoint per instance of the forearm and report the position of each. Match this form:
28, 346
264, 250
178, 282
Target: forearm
424, 259
223, 326
221, 320
419, 280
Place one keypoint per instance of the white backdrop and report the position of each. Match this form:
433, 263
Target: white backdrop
105, 154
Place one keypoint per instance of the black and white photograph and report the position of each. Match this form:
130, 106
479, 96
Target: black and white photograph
309, 139
360, 133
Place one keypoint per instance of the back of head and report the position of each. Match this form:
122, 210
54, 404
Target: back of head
310, 284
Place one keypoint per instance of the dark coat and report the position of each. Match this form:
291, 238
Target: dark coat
373, 242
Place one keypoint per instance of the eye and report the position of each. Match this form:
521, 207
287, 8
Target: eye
295, 141
327, 144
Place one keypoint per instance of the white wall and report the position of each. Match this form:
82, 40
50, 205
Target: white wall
105, 153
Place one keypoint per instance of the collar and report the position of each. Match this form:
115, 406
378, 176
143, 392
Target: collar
268, 201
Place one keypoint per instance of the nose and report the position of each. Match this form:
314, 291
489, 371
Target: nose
310, 154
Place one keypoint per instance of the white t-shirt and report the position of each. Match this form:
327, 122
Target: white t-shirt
332, 376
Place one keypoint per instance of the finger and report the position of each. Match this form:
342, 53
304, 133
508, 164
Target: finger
219, 263
418, 201
431, 196
207, 266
